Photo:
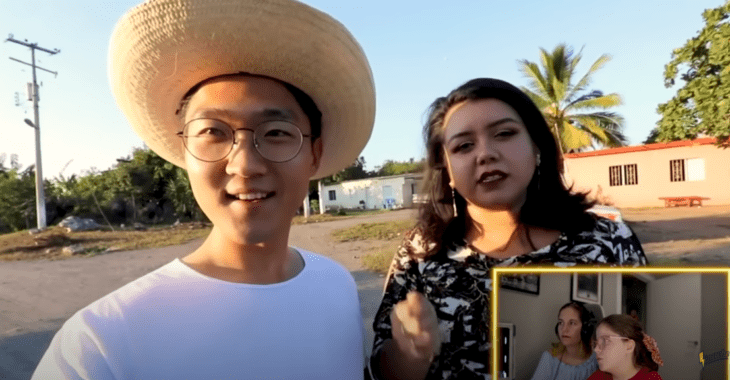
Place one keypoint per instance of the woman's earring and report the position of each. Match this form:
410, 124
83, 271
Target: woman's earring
453, 202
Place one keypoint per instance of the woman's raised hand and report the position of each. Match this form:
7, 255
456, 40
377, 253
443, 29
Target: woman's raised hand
415, 327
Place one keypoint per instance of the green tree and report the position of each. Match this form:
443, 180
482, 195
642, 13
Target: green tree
354, 171
17, 198
653, 137
391, 167
577, 117
180, 193
702, 105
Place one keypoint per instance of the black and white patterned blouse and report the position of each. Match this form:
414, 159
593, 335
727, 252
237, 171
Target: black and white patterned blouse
459, 285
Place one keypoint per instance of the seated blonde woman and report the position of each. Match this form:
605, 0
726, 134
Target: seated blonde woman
572, 358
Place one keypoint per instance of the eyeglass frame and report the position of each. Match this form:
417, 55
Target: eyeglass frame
606, 339
234, 142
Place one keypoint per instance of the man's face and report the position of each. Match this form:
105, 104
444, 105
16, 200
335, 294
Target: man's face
249, 199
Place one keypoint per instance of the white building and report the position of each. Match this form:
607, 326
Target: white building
372, 193
644, 175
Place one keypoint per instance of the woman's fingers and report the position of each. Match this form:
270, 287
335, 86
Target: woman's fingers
415, 326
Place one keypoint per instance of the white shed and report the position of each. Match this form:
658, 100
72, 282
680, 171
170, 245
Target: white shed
372, 193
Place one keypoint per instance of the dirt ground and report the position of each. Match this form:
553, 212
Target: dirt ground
36, 297
697, 236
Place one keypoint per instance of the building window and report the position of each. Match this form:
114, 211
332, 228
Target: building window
690, 169
695, 169
676, 170
333, 195
614, 175
631, 174
619, 175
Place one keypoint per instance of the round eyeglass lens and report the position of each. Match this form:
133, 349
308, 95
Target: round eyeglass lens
278, 141
208, 139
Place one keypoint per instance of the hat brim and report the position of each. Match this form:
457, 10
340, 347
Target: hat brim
161, 49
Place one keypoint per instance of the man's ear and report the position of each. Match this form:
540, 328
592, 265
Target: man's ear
316, 154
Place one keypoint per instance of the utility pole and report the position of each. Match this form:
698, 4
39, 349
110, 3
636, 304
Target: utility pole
40, 197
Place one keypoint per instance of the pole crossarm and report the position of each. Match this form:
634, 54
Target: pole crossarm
37, 67
32, 46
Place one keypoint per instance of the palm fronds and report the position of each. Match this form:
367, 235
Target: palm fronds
578, 118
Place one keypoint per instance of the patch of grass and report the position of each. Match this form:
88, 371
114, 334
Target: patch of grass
49, 244
373, 231
379, 260
316, 218
326, 217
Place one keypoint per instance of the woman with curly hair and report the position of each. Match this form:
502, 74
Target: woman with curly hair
624, 351
496, 197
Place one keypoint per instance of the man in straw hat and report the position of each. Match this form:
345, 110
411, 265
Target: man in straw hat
253, 98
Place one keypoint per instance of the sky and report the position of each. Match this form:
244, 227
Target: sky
418, 51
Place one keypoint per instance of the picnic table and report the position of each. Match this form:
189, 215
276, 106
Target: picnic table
689, 200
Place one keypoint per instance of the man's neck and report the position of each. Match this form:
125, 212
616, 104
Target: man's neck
262, 263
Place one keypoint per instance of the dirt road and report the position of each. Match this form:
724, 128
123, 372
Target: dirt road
36, 297
688, 236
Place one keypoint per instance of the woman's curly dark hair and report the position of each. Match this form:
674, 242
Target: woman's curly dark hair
549, 204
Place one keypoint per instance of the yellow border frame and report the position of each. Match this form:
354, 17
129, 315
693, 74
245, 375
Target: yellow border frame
497, 271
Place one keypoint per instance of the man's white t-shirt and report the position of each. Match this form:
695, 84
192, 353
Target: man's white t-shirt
176, 323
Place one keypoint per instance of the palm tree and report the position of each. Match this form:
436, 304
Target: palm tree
578, 118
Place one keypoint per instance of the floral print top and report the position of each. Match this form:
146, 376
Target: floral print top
458, 284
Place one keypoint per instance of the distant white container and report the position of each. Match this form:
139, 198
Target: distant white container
607, 212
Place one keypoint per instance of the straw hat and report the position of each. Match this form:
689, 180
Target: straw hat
162, 48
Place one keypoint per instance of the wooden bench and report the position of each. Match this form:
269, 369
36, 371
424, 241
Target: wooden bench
683, 201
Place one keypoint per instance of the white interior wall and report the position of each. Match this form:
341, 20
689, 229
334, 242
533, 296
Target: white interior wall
674, 314
535, 316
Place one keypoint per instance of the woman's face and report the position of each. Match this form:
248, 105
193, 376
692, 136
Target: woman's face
613, 352
490, 156
569, 326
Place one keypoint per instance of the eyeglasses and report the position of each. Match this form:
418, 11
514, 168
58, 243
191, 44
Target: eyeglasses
601, 342
211, 140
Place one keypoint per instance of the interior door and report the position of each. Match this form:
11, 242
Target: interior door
674, 308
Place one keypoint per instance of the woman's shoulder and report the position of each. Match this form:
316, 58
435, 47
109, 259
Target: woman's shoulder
415, 245
606, 242
412, 249
606, 227
646, 374
600, 375
549, 355
606, 232
613, 228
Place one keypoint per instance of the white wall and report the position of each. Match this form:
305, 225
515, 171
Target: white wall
589, 172
349, 193
674, 314
681, 309
535, 316
714, 323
